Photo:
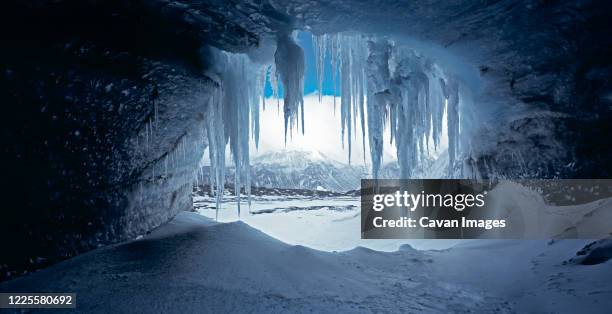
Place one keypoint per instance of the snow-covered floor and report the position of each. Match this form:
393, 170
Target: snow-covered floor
195, 265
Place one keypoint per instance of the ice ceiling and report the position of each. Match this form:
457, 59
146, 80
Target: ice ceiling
383, 85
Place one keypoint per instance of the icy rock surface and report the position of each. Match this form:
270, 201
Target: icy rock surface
110, 153
106, 131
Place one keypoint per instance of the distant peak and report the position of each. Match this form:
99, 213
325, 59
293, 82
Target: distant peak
280, 155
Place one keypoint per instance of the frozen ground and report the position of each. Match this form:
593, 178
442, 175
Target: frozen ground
193, 264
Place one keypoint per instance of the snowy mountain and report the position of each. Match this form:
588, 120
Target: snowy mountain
302, 170
313, 170
306, 170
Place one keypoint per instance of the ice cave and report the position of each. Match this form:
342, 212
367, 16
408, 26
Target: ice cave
206, 156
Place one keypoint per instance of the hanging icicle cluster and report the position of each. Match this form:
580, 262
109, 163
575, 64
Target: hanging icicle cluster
406, 92
346, 54
233, 118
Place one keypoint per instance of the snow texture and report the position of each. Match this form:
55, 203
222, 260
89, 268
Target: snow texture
193, 264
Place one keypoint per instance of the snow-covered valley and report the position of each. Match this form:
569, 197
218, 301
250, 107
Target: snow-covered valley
327, 223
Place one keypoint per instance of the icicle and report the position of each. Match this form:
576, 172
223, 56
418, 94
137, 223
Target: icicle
345, 91
361, 93
349, 54
437, 104
263, 85
320, 45
233, 118
403, 91
289, 60
334, 58
378, 85
274, 83
216, 145
451, 92
255, 88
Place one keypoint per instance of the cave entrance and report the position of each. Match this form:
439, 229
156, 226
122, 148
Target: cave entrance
296, 126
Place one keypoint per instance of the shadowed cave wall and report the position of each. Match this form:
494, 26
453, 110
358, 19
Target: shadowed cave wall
105, 100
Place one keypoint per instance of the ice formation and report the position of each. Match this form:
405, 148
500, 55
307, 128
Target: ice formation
289, 61
216, 144
232, 119
391, 86
382, 85
320, 44
451, 93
